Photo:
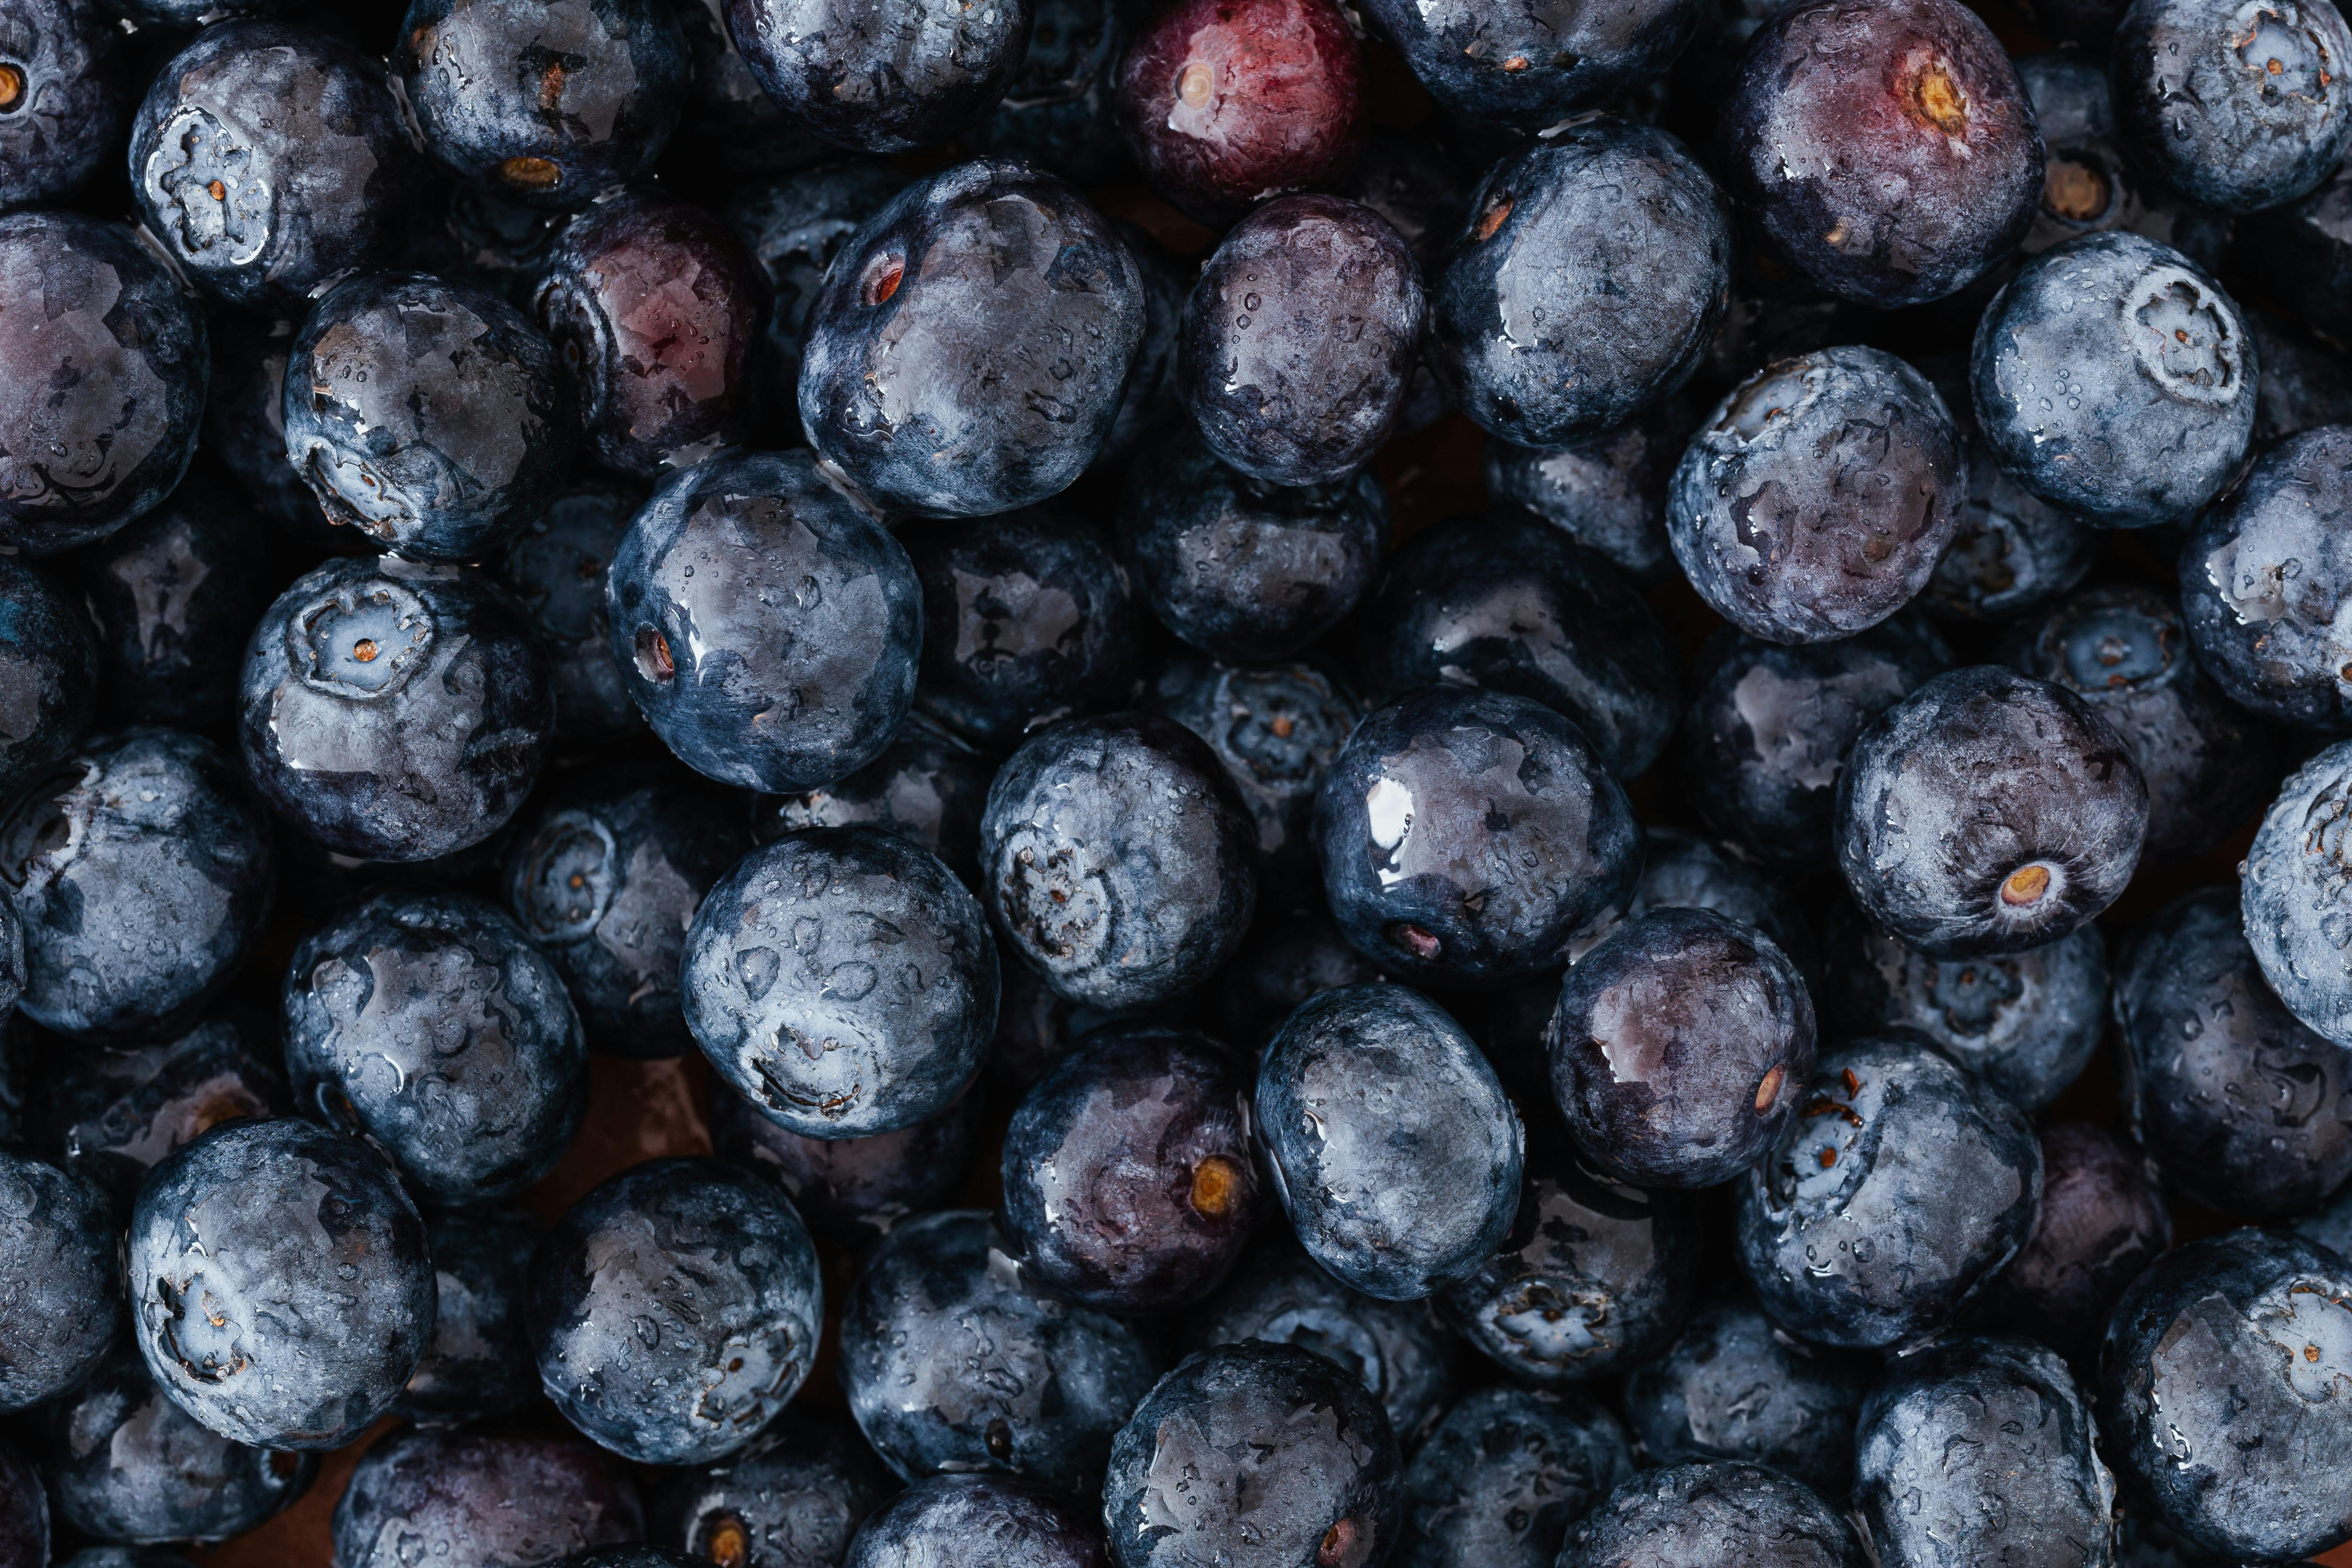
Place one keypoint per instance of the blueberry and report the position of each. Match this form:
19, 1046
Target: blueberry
2025, 1023
1734, 1385
882, 78
1504, 1475
2289, 894
1502, 602
393, 711
2240, 1106
1765, 738
1119, 858
107, 363
1056, 111
478, 1365
1468, 838
62, 97
2126, 417
1150, 396
49, 663
1981, 1450
23, 1513
2102, 1221
149, 831
473, 236
1530, 65
850, 1190
111, 1114
790, 661
989, 315
547, 105
729, 122
793, 1499
794, 225
986, 1522
1277, 728
665, 373
60, 1281
1606, 491
1539, 332
245, 427
928, 786
1817, 499
555, 569
2238, 112
1240, 568
1294, 953
606, 879
1407, 178
843, 980
1695, 1516
2088, 183
1684, 871
2012, 551
955, 1357
1900, 1187
721, 1255
470, 1497
1398, 1350
2229, 1337
1026, 618
279, 1283
1262, 1487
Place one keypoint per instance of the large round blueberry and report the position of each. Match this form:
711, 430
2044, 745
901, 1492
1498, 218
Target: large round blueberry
1588, 285
954, 1357
1261, 1487
1900, 1187
850, 1190
1468, 838
107, 364
545, 104
478, 1365
1698, 1516
62, 95
1989, 812
794, 225
111, 1112
2102, 1221
279, 1284
985, 1521
1056, 111
60, 1281
50, 667
1119, 858
722, 1258
928, 786
1530, 64
606, 879
794, 1499
843, 980
2235, 109
1277, 728
2219, 1394
2240, 1106
767, 629
1817, 499
555, 568
393, 711
2292, 887
2113, 378
882, 76
143, 869
420, 1497
1504, 1475
1607, 492
968, 348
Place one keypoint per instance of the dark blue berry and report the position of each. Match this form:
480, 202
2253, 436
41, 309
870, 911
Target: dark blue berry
478, 1365
1606, 491
1685, 871
879, 76
555, 568
60, 1281
794, 1499
928, 787
2102, 1221
1697, 1516
1276, 729
1504, 1475
449, 1497
112, 1112
2290, 889
850, 1190
2235, 111
985, 1521
1056, 111
50, 666
62, 96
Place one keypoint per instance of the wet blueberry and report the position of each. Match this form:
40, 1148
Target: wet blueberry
794, 225
60, 1281
882, 78
794, 1499
555, 568
1683, 870
49, 664
62, 97
850, 1190
1276, 727
2088, 183
928, 786
2012, 551
985, 1521
1504, 1475
1608, 491
2291, 890
1697, 1516
731, 123
1057, 110
2304, 251
478, 1365
112, 1112
1529, 64
2234, 109
2102, 1221
458, 1496
1294, 953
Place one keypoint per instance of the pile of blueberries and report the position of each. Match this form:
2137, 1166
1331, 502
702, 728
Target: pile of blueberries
846, 547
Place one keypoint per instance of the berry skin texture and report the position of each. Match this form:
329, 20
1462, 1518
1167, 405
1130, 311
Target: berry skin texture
1277, 728
459, 1497
1887, 151
1695, 1516
1506, 1475
928, 786
68, 100
60, 1283
1529, 64
111, 1114
849, 1190
1608, 491
2101, 1222
793, 1499
882, 76
979, 1521
2238, 108
479, 1364
2292, 888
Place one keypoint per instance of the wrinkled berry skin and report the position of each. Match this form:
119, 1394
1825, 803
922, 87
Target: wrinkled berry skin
709, 1381
393, 711
478, 1365
1276, 727
1501, 601
1734, 1385
496, 1501
878, 77
109, 1113
1267, 1489
850, 1190
2240, 1106
430, 1022
794, 225
1679, 1049
1056, 111
793, 1499
2102, 1220
1816, 497
970, 344
1901, 1186
107, 364
1887, 151
279, 1285
1506, 1475
123, 1463
955, 1358
1608, 491
1282, 388
2222, 1340
1697, 1516
547, 105
843, 980
928, 786
24, 1514
1026, 618
787, 661
2290, 892
655, 308
47, 655
60, 1282
1225, 102
1537, 331
1120, 859
2127, 417
1989, 812
64, 101
1389, 1139
605, 881
1468, 837
1529, 63
1128, 1178
2236, 110
149, 831
1239, 568
1981, 1450
301, 134
555, 568
980, 1521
